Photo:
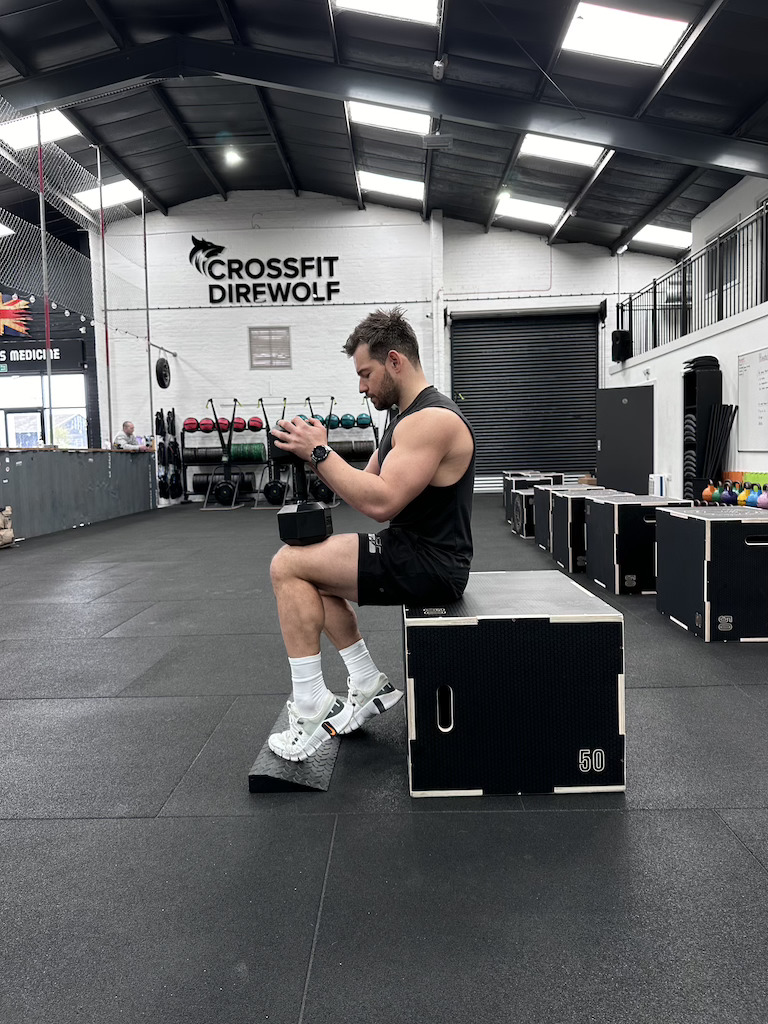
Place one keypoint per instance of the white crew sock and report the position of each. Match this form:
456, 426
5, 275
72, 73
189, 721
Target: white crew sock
309, 689
363, 674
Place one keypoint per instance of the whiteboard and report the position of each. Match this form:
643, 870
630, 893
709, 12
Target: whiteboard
753, 401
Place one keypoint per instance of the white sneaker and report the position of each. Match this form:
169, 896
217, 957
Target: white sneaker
368, 703
305, 735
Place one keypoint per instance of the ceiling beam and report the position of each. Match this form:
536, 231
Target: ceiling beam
347, 125
168, 109
231, 22
98, 10
514, 153
91, 136
454, 102
647, 218
272, 129
570, 210
26, 179
10, 57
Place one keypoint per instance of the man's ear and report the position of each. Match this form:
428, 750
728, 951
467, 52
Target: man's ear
395, 358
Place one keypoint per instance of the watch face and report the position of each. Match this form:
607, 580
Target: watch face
319, 453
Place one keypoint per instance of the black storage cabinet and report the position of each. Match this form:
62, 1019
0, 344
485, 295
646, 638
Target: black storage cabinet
542, 509
712, 571
621, 540
522, 513
702, 390
516, 688
569, 531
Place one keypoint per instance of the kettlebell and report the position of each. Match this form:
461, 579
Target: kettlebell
728, 497
718, 493
753, 496
762, 501
743, 495
708, 492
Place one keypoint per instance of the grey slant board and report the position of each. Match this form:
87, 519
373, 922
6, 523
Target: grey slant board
731, 513
516, 595
273, 774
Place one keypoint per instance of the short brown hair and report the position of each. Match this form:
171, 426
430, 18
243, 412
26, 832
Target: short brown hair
383, 331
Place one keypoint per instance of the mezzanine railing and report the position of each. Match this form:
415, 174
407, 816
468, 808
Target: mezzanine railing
727, 276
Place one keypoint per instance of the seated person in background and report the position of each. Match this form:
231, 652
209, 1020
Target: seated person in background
127, 441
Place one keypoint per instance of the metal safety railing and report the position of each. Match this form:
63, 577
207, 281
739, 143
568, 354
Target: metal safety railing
727, 276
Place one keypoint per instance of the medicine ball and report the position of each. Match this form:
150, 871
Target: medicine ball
255, 423
347, 421
238, 424
223, 423
333, 421
364, 420
207, 426
191, 425
320, 420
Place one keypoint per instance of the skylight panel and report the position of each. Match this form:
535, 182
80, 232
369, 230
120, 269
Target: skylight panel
623, 35
525, 209
424, 11
406, 188
114, 194
22, 134
389, 117
560, 149
652, 234
5, 230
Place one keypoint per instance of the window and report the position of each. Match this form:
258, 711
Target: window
270, 347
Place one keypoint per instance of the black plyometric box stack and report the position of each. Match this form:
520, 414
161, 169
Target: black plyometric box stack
702, 390
712, 571
516, 482
542, 509
621, 540
514, 472
518, 687
522, 513
569, 528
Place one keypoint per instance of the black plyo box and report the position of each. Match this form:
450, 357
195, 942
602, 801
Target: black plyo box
621, 540
569, 531
522, 513
516, 482
542, 509
712, 571
518, 687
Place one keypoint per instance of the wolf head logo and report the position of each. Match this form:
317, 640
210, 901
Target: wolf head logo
202, 253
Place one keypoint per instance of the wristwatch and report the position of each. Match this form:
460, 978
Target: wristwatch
321, 452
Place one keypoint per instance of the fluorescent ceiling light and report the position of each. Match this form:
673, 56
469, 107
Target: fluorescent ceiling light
404, 187
114, 194
652, 234
408, 10
6, 230
559, 149
22, 134
389, 117
524, 209
231, 157
622, 35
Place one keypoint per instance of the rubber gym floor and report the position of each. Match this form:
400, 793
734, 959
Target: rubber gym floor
141, 668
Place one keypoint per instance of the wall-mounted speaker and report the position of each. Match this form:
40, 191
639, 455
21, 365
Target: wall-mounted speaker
621, 346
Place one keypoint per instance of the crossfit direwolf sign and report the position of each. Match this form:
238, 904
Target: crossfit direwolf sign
256, 281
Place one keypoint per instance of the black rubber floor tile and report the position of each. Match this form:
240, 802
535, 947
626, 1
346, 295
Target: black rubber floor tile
110, 757
690, 747
542, 918
197, 585
662, 655
24, 620
163, 921
55, 591
75, 668
751, 827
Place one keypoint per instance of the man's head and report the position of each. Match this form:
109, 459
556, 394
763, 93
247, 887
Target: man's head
384, 348
128, 427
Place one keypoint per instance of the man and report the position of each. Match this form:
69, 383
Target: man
126, 440
421, 479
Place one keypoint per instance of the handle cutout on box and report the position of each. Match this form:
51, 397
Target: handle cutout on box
757, 542
649, 519
445, 708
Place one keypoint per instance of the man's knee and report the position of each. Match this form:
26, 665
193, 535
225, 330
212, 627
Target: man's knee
279, 568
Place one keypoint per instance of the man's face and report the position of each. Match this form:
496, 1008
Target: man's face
375, 380
129, 428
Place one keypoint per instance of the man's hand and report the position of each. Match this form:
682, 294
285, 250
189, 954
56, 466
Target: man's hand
298, 436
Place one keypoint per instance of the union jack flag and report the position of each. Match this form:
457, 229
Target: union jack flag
14, 316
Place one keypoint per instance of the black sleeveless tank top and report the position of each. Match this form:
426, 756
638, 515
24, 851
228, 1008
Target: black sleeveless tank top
439, 516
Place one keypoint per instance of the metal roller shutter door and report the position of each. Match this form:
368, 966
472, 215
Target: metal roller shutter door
528, 386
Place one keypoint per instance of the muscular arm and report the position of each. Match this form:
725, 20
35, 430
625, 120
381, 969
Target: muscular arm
421, 443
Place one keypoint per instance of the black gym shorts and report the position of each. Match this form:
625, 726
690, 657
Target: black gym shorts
395, 567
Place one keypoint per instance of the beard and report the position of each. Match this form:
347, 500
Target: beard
387, 394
